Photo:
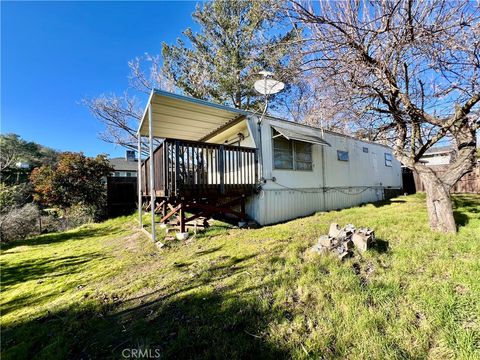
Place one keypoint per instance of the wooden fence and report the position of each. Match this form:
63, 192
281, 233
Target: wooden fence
121, 195
470, 183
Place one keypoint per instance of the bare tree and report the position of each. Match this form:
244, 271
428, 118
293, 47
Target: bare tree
121, 115
408, 73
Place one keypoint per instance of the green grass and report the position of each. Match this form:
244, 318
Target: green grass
232, 293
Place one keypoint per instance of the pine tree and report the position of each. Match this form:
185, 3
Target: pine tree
236, 40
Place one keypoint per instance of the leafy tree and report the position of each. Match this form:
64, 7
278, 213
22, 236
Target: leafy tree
74, 179
14, 149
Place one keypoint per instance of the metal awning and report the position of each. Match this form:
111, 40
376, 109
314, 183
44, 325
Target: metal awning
301, 135
183, 117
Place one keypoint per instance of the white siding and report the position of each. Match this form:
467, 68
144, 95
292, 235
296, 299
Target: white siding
287, 194
273, 206
437, 159
299, 193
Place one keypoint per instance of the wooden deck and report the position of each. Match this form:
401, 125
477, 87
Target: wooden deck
203, 179
192, 169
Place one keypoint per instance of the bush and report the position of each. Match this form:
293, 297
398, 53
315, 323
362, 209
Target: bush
14, 195
19, 223
80, 214
51, 222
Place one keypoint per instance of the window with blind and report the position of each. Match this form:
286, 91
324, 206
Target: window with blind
291, 155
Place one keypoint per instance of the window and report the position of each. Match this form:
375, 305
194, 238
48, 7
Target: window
365, 149
303, 155
117, 174
388, 159
342, 155
282, 152
129, 174
291, 155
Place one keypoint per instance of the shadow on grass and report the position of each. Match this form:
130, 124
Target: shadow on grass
42, 268
381, 246
466, 207
461, 219
200, 326
196, 319
76, 234
388, 202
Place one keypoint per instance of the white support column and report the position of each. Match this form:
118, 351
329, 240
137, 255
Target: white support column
139, 178
152, 182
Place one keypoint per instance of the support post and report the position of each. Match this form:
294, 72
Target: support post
152, 174
164, 208
182, 218
221, 165
139, 178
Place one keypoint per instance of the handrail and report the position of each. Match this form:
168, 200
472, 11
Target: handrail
185, 166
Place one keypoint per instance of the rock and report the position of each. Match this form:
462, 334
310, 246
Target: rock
349, 229
325, 240
361, 241
342, 241
334, 230
320, 248
349, 245
181, 236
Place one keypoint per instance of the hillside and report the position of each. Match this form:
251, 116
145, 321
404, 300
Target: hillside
103, 288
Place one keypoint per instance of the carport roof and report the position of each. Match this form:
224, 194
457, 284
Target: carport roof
182, 117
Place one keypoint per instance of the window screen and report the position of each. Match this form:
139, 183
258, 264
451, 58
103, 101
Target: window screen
282, 152
388, 159
303, 156
342, 155
291, 154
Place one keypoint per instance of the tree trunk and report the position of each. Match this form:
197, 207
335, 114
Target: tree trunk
439, 202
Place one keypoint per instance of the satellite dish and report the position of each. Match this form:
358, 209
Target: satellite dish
268, 86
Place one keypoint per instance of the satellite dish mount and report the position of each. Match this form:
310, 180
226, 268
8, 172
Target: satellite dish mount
267, 86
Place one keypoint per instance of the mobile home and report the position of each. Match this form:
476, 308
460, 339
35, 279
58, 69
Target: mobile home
219, 159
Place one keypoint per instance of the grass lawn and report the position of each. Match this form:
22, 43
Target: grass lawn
230, 293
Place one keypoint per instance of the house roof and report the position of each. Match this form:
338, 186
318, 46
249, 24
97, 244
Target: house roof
439, 150
184, 117
121, 164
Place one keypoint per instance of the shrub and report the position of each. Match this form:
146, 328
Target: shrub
14, 195
80, 214
19, 223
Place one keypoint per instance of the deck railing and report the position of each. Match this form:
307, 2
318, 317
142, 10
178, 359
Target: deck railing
191, 168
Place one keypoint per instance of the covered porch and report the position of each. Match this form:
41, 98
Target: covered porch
193, 169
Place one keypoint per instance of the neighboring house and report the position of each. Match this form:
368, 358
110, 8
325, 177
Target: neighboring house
438, 158
125, 167
122, 185
216, 157
439, 155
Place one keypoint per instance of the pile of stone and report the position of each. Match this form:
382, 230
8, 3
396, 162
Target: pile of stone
343, 241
